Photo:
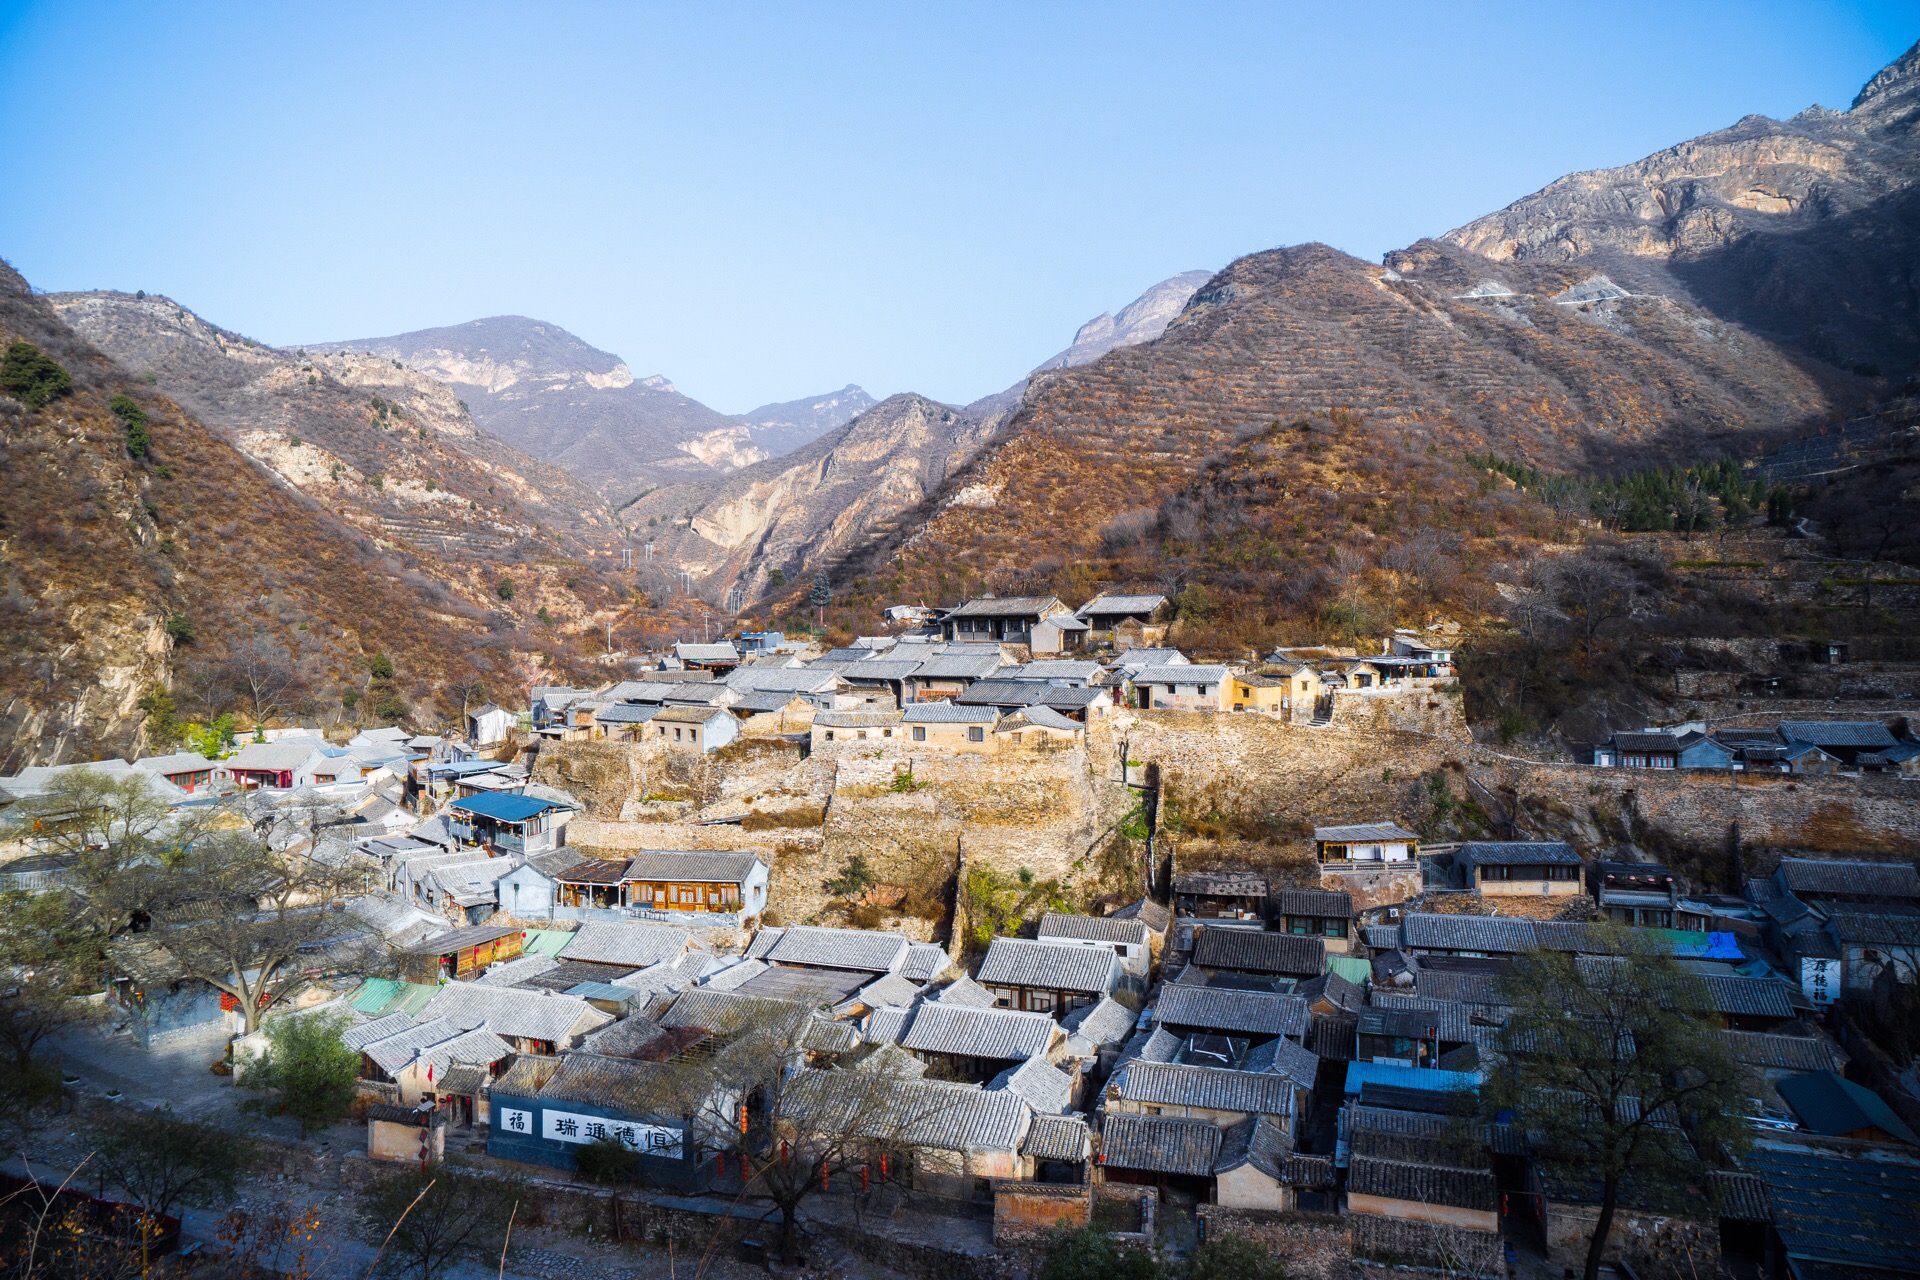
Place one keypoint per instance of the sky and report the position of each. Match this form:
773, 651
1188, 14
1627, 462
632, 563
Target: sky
767, 202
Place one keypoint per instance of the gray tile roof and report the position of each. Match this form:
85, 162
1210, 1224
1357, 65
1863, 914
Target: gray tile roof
1018, 962
1058, 1138
1231, 884
1176, 1085
1024, 693
1819, 876
1889, 924
394, 1052
1449, 1018
1121, 604
1756, 997
1838, 733
686, 865
726, 1011
1183, 673
925, 962
922, 1113
880, 669
1159, 1144
392, 1024
1260, 1142
1285, 1058
1422, 1183
1221, 1009
1044, 1087
1107, 1022
1092, 928
1467, 933
959, 666
626, 942
1327, 903
508, 1011
625, 713
1518, 853
1007, 607
838, 948
892, 990
479, 1047
947, 713
966, 992
1244, 949
1380, 937
979, 1033
887, 1026
1154, 915
1785, 1052
1039, 718
1333, 1036
1069, 669
1365, 833
764, 700
784, 679
856, 719
621, 1084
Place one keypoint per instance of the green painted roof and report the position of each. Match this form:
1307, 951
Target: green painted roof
1352, 968
545, 942
1832, 1104
378, 997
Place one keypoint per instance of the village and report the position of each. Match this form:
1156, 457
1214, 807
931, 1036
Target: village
925, 947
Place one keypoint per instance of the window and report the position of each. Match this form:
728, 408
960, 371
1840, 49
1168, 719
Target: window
919, 733
829, 735
1299, 924
676, 733
886, 733
976, 733
1334, 928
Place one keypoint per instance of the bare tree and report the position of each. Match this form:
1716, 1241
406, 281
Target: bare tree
1615, 1063
159, 1160
262, 674
252, 924
1692, 506
1595, 592
784, 1104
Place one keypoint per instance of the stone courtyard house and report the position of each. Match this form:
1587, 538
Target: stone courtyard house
1001, 621
841, 727
509, 824
1520, 868
1326, 914
668, 881
1261, 955
187, 770
1220, 895
950, 727
1130, 939
1048, 977
1256, 691
978, 1044
700, 729
1186, 687
462, 953
1366, 844
1127, 621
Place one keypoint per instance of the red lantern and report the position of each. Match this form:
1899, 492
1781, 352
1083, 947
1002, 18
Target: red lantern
823, 1177
863, 1178
883, 1166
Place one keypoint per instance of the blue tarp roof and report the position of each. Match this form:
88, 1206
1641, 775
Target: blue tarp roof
1359, 1073
503, 806
460, 768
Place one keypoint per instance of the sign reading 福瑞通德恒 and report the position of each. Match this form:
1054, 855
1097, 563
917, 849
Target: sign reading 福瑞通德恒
567, 1126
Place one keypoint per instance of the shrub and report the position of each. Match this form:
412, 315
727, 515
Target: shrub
504, 589
855, 878
31, 376
380, 666
134, 419
308, 1071
180, 629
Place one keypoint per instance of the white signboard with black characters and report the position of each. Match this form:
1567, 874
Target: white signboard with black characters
647, 1139
1820, 979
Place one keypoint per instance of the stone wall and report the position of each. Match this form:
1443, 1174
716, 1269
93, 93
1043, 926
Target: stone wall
1026, 1211
1656, 1246
1314, 1245
1454, 1250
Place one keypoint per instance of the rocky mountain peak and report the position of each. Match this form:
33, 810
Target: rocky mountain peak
1898, 79
1142, 320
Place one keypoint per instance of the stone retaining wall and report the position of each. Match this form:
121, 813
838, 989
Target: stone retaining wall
1313, 1245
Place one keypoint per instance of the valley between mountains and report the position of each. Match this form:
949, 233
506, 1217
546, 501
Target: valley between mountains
1301, 444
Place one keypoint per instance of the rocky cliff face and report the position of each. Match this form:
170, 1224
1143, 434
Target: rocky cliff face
781, 428
1805, 230
543, 390
1142, 320
118, 573
815, 505
389, 448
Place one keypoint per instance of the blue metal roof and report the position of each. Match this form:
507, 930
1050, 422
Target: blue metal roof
503, 806
1430, 1078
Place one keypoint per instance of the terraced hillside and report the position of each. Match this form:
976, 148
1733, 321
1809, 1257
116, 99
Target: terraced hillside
127, 562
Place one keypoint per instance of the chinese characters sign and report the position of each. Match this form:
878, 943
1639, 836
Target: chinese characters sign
1820, 979
571, 1127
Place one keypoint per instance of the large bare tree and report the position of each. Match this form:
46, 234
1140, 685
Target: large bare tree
783, 1102
253, 924
1614, 1064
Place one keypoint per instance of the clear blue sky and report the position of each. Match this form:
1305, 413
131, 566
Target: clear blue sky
763, 202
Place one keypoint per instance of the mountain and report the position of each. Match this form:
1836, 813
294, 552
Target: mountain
1709, 299
388, 448
826, 499
544, 391
1805, 230
1142, 320
193, 567
782, 428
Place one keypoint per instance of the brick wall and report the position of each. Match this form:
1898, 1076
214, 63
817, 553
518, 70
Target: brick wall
1314, 1246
